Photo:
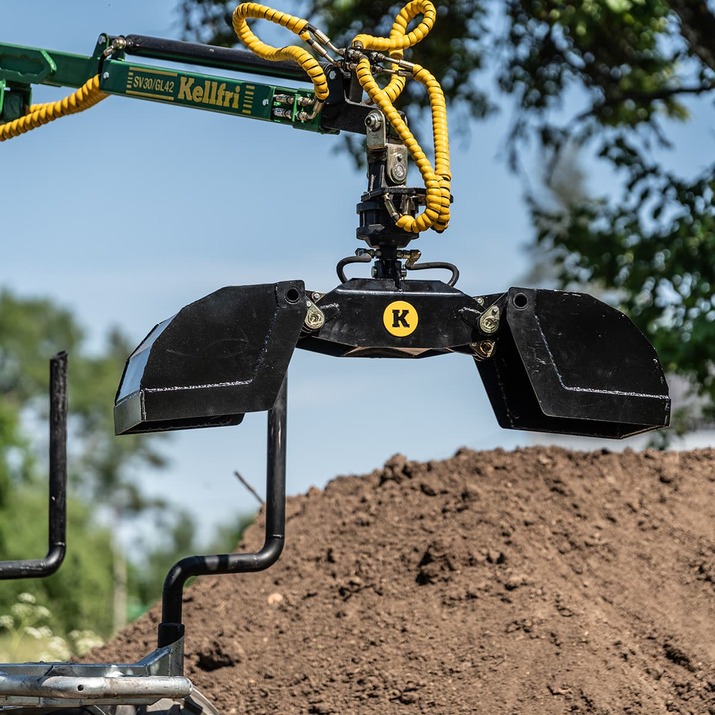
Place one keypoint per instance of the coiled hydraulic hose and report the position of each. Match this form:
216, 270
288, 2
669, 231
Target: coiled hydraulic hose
291, 52
368, 49
85, 97
436, 179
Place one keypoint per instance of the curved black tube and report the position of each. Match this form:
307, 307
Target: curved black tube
343, 262
438, 264
171, 627
57, 520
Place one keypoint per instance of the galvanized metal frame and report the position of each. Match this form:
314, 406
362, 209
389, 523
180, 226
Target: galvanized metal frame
35, 685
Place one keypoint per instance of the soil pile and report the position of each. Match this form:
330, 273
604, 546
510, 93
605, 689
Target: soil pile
535, 581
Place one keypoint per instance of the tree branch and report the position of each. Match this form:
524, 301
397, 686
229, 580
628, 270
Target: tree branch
697, 25
249, 487
644, 97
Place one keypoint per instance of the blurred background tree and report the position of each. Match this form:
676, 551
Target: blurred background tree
601, 80
90, 590
31, 331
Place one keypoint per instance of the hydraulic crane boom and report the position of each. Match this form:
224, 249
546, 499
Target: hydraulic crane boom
118, 74
545, 357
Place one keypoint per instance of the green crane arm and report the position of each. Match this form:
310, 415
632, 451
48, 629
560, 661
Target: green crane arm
112, 62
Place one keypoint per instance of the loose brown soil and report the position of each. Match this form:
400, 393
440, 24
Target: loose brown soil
536, 581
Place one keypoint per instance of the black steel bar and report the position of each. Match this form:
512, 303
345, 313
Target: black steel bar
171, 628
211, 56
343, 262
429, 265
57, 520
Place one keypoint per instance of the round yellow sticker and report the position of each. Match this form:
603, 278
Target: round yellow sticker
400, 318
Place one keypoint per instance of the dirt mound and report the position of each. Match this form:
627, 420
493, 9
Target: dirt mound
535, 581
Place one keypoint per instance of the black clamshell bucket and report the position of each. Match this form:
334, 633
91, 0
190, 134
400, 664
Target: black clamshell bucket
551, 361
568, 363
216, 359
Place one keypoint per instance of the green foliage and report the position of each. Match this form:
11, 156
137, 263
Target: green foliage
31, 332
650, 242
605, 77
26, 635
84, 592
106, 464
79, 595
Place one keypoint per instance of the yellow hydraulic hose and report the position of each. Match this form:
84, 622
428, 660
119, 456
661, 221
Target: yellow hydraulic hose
402, 40
309, 64
85, 97
436, 213
436, 179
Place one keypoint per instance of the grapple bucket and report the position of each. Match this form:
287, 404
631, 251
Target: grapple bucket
216, 359
568, 363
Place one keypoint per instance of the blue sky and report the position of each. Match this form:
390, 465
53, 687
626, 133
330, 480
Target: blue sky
131, 210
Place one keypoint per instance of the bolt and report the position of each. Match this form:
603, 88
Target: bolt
332, 74
314, 319
373, 121
484, 349
105, 75
316, 295
489, 325
489, 322
399, 172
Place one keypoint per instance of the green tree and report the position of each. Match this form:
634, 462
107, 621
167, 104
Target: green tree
651, 242
31, 331
606, 77
80, 594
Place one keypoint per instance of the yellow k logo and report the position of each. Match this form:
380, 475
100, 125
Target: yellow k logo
400, 318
